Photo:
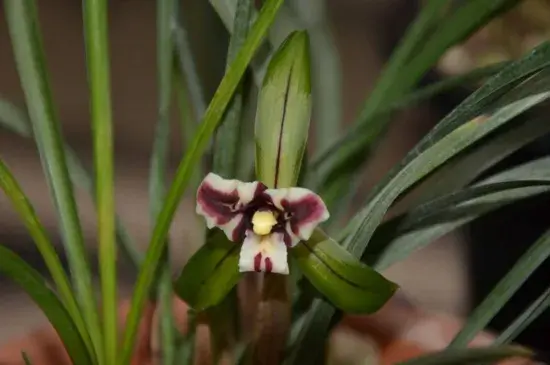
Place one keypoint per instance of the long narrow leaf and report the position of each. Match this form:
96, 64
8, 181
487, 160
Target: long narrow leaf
326, 81
229, 146
458, 25
312, 335
478, 102
12, 118
226, 150
370, 217
26, 358
227, 11
331, 186
473, 356
28, 215
503, 291
467, 204
97, 56
450, 83
36, 287
327, 167
211, 119
464, 169
413, 234
187, 64
424, 23
17, 122
356, 141
528, 316
158, 169
22, 22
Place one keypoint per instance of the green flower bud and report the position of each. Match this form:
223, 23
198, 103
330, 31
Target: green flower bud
283, 114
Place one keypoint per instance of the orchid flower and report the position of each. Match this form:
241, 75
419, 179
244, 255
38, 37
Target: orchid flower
266, 221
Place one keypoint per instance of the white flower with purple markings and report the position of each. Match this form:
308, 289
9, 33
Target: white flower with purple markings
266, 221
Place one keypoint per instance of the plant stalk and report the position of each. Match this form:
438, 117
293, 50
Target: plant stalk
273, 320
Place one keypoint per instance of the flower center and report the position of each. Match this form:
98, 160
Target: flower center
263, 221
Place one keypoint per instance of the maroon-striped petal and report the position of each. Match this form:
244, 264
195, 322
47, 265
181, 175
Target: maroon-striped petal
263, 254
303, 211
223, 202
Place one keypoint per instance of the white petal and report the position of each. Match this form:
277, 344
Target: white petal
219, 201
308, 210
263, 254
247, 191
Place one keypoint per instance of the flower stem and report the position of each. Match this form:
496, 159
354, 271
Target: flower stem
273, 320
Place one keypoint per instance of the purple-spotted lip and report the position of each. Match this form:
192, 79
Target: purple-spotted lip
231, 204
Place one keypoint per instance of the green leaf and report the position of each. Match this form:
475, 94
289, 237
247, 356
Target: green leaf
187, 65
325, 68
283, 114
13, 119
211, 119
468, 204
472, 356
478, 102
97, 61
22, 19
331, 187
16, 121
313, 334
227, 11
533, 62
26, 358
83, 178
371, 215
36, 287
448, 83
158, 169
348, 284
28, 215
468, 165
431, 37
397, 238
528, 316
415, 35
355, 143
187, 83
348, 141
459, 23
229, 147
226, 147
503, 291
210, 273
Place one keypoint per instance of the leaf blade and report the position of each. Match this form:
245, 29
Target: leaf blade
503, 291
209, 274
470, 356
371, 216
530, 314
35, 286
22, 22
358, 138
211, 119
349, 285
97, 61
158, 168
406, 242
17, 122
37, 231
226, 147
